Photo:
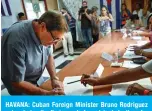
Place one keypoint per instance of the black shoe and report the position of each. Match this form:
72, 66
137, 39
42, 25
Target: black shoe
65, 55
71, 54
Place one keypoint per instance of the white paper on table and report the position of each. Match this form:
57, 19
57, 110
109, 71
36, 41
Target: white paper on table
129, 48
121, 88
99, 71
140, 43
107, 56
129, 64
130, 55
137, 31
137, 37
76, 88
130, 45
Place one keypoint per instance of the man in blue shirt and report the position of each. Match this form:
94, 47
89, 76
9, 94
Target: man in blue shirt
26, 52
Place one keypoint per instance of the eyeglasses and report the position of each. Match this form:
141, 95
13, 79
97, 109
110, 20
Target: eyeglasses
55, 39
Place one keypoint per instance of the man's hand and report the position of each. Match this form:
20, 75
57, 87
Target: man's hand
57, 84
56, 91
106, 18
86, 10
137, 50
135, 89
87, 79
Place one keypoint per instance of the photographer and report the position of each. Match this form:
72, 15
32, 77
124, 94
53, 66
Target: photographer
84, 17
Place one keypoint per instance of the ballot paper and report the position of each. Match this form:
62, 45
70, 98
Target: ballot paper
137, 37
130, 55
99, 71
76, 88
137, 31
129, 64
140, 43
107, 56
120, 89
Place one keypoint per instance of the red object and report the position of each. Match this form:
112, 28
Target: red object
146, 92
109, 2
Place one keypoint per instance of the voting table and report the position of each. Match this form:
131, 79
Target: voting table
89, 60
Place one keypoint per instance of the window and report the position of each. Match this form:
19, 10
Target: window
30, 12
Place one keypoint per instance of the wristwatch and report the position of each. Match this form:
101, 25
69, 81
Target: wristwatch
141, 52
55, 78
146, 92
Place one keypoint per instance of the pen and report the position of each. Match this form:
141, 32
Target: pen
73, 81
86, 76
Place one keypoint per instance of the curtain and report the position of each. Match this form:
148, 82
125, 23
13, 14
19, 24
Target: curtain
73, 7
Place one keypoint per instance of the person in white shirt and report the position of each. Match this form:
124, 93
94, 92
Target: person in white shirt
67, 41
138, 11
145, 13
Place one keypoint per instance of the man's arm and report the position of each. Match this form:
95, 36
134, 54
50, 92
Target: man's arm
124, 76
148, 45
111, 18
79, 17
69, 17
28, 88
137, 89
146, 34
88, 15
51, 69
118, 77
147, 54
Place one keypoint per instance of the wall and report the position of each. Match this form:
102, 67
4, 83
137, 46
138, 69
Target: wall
52, 4
16, 7
92, 3
128, 3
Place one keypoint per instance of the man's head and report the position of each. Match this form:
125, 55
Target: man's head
50, 28
63, 10
84, 4
21, 16
134, 18
138, 6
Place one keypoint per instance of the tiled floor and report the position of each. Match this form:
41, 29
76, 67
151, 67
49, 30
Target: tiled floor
60, 62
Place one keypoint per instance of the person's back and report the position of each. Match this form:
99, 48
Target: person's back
20, 47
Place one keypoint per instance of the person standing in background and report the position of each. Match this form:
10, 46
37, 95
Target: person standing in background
95, 24
138, 11
133, 22
21, 16
145, 13
72, 25
125, 14
67, 41
105, 20
149, 16
85, 24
